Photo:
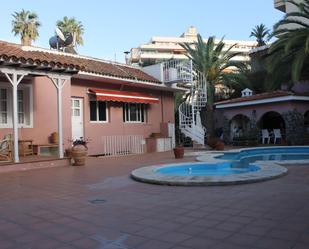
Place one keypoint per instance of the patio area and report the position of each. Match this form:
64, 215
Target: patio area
98, 206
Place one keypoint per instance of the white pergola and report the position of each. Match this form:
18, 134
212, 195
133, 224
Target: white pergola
58, 77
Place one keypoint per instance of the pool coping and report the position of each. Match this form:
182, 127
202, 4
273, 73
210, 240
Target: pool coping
268, 170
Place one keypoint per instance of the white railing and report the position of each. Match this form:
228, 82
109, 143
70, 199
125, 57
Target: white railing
177, 71
123, 145
189, 111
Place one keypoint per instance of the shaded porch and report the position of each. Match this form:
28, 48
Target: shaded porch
18, 75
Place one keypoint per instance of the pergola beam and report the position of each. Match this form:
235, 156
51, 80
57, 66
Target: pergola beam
59, 83
15, 76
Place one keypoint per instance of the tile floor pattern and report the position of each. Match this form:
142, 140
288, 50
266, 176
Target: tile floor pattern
53, 209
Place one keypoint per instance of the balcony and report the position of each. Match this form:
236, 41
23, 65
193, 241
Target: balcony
280, 5
171, 71
177, 71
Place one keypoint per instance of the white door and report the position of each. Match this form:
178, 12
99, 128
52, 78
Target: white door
171, 133
77, 118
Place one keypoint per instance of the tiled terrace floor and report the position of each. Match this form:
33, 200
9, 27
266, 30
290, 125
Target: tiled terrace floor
50, 208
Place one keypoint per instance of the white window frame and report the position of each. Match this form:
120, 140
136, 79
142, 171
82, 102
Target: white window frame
8, 88
97, 107
6, 103
127, 117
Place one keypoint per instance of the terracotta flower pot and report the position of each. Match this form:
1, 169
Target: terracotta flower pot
212, 141
219, 145
179, 152
79, 154
54, 138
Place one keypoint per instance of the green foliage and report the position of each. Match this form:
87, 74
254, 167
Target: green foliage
26, 24
261, 33
178, 99
74, 27
253, 75
289, 55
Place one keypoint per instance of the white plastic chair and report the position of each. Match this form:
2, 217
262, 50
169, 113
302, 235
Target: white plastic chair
277, 135
265, 136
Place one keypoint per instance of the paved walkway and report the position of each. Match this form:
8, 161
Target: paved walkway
100, 207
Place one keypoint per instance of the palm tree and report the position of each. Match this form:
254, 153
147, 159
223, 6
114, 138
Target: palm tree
76, 28
261, 33
289, 55
211, 60
26, 24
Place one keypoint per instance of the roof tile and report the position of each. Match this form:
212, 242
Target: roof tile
16, 52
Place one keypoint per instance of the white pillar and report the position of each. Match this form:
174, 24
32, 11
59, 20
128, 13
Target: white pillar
59, 105
59, 82
192, 92
15, 120
15, 77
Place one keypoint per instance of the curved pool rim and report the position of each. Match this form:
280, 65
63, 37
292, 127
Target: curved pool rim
216, 156
149, 175
268, 170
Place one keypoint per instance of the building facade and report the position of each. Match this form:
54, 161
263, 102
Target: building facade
165, 48
284, 6
115, 106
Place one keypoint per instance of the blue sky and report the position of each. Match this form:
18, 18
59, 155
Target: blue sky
112, 27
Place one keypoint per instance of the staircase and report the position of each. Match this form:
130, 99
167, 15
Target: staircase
189, 111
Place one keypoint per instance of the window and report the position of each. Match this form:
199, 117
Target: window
75, 106
20, 106
3, 106
24, 106
98, 111
134, 113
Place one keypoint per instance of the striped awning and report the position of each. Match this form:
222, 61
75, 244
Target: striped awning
124, 96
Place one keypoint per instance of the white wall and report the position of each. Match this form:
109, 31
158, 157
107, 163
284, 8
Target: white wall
155, 70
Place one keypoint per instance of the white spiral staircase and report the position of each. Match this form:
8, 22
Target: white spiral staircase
189, 111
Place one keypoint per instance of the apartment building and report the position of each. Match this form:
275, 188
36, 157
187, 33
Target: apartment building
165, 48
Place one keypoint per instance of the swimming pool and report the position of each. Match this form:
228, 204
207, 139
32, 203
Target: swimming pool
265, 154
205, 169
233, 167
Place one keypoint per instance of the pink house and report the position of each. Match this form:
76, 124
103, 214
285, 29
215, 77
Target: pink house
114, 105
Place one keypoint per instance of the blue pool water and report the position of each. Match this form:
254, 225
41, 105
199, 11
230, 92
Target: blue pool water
239, 162
205, 169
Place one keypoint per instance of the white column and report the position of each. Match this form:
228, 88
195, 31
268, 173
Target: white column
192, 91
59, 105
15, 120
15, 78
59, 82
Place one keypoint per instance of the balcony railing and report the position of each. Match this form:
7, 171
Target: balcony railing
177, 71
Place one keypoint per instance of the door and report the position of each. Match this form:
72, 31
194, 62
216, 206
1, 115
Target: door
171, 133
77, 118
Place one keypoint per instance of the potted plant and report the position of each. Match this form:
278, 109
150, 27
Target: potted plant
179, 151
79, 151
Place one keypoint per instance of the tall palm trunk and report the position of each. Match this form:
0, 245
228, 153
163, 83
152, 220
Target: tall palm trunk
26, 41
210, 125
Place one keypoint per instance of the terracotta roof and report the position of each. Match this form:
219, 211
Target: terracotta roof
260, 96
15, 53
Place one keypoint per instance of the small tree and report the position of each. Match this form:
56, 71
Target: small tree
261, 33
26, 25
76, 28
